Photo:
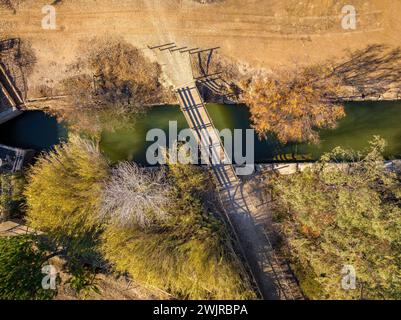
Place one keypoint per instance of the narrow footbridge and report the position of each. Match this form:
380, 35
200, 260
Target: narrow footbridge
270, 275
201, 123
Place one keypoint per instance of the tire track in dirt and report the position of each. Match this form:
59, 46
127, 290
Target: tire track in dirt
250, 31
182, 20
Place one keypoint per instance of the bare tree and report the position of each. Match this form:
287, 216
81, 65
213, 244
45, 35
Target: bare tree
18, 58
135, 196
109, 85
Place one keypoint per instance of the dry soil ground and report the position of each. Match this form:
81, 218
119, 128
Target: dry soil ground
263, 33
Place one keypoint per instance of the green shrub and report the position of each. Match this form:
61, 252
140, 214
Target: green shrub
11, 195
340, 215
64, 192
21, 261
188, 255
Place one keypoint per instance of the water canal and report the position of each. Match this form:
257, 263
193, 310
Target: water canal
36, 130
363, 121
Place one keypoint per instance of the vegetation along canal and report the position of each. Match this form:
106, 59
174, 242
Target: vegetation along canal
36, 130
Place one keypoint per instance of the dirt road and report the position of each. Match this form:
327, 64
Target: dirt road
263, 33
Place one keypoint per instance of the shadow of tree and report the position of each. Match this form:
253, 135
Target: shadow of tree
11, 5
19, 59
371, 71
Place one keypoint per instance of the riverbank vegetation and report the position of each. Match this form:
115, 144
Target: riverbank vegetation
294, 104
90, 214
63, 195
111, 81
21, 262
187, 251
338, 214
162, 228
18, 58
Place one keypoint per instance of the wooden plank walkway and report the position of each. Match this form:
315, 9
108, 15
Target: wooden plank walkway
208, 138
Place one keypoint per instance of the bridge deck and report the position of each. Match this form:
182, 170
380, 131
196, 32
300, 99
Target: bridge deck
208, 138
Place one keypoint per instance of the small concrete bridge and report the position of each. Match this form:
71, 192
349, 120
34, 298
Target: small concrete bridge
272, 277
11, 105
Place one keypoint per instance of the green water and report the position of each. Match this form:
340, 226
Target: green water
363, 121
38, 131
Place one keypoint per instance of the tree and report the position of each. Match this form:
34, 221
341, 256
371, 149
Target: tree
158, 232
21, 262
134, 195
188, 254
338, 214
111, 79
293, 105
63, 195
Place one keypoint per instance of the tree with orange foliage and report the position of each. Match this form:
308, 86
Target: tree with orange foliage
294, 104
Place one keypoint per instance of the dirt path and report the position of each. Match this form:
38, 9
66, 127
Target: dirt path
263, 33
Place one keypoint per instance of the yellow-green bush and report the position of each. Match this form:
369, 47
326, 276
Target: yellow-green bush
64, 192
189, 255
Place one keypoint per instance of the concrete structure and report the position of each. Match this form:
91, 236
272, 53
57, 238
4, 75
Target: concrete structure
9, 114
294, 167
13, 159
